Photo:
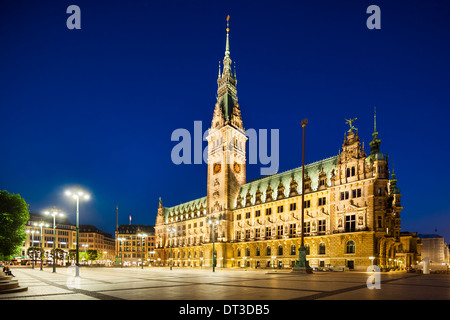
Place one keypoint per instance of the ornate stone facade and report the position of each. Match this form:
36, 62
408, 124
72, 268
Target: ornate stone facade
352, 208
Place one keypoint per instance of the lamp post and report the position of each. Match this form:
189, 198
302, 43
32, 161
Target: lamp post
54, 212
77, 194
213, 223
142, 235
42, 224
32, 242
171, 230
302, 265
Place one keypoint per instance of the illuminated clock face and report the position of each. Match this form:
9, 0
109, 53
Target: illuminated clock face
237, 167
216, 168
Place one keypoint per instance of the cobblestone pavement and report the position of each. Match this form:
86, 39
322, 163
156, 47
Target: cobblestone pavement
200, 285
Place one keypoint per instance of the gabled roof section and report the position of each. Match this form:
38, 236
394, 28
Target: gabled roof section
312, 170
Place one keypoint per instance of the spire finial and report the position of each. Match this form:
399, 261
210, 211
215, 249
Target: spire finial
227, 46
374, 119
219, 69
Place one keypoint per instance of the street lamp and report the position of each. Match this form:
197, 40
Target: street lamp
213, 223
32, 243
77, 194
171, 230
142, 235
302, 265
42, 224
54, 212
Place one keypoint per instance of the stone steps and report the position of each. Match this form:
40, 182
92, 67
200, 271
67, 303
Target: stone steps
10, 285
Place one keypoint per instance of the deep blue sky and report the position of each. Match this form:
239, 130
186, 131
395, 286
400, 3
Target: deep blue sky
97, 106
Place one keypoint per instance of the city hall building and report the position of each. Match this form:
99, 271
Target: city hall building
352, 206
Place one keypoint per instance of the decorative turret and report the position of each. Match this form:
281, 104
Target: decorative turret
393, 183
375, 153
160, 216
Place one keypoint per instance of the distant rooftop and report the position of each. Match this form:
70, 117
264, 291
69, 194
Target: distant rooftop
429, 236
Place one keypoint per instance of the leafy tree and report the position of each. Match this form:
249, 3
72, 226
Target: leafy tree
92, 255
14, 215
37, 251
59, 254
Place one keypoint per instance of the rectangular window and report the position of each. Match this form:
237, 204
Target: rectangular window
268, 232
350, 223
344, 195
247, 234
292, 229
380, 222
356, 193
293, 206
322, 225
247, 215
280, 230
268, 211
307, 203
322, 201
257, 232
238, 217
279, 209
306, 227
257, 213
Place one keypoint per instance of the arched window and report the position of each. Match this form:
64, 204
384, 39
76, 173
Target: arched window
258, 253
293, 252
307, 249
239, 252
247, 252
268, 251
350, 246
280, 250
322, 248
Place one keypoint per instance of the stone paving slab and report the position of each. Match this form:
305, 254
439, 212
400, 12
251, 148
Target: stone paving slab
195, 284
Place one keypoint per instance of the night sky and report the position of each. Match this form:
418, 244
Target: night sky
96, 107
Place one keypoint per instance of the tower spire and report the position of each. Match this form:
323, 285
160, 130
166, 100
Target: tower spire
375, 143
227, 101
227, 46
375, 119
227, 59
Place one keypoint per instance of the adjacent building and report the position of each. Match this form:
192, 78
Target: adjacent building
436, 250
135, 244
39, 229
92, 238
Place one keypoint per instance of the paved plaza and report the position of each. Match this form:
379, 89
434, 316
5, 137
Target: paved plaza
196, 284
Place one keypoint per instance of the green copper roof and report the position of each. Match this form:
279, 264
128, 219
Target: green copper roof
312, 170
192, 206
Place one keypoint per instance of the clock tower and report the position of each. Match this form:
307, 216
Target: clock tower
226, 151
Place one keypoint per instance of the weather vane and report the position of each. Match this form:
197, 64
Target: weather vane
350, 123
